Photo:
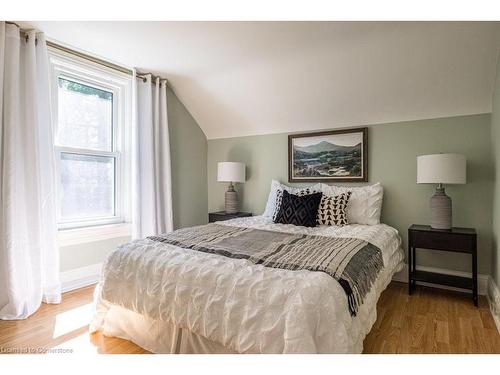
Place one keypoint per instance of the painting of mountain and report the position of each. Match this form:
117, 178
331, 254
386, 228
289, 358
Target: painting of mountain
330, 156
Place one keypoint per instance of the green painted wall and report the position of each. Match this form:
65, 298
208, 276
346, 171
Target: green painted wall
393, 149
495, 137
188, 147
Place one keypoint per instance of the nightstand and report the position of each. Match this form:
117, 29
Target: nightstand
221, 216
460, 240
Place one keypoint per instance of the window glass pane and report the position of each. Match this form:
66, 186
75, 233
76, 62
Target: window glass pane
85, 116
87, 186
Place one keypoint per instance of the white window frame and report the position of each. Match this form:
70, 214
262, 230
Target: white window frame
63, 65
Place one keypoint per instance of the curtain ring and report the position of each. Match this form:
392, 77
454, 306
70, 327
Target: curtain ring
27, 38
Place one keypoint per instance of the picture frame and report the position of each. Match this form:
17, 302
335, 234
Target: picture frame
329, 156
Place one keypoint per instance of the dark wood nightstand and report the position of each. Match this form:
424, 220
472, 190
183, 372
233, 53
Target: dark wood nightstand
460, 240
221, 216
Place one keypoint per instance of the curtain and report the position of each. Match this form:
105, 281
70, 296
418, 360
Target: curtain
29, 255
151, 174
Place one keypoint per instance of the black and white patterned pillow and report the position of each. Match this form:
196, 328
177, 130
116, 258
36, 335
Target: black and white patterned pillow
279, 197
333, 210
299, 210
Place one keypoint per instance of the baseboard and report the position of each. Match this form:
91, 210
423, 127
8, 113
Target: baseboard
493, 297
80, 277
482, 280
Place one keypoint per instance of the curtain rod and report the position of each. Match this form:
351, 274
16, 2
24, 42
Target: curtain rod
110, 65
89, 58
122, 69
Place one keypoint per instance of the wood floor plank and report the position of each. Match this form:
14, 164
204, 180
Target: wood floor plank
429, 321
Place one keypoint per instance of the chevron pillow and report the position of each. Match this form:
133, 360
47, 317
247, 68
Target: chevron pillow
299, 210
333, 210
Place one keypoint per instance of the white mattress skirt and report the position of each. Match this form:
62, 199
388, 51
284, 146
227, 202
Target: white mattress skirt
156, 336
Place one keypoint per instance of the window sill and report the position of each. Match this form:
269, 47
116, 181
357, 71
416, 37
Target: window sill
68, 237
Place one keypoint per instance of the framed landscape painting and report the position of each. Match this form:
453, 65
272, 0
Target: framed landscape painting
332, 156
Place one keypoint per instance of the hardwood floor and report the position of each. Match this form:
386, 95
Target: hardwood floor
61, 327
430, 321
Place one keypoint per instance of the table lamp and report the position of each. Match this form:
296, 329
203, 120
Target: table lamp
441, 169
231, 172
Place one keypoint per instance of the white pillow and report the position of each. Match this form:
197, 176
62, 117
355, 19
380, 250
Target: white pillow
365, 203
271, 199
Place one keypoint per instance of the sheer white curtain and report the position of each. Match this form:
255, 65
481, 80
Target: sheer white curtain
29, 255
152, 185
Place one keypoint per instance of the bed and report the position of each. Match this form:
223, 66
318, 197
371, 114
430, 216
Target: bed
169, 299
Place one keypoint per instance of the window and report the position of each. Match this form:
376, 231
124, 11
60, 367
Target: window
91, 121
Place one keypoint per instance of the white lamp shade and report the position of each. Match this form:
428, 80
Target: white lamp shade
441, 169
230, 172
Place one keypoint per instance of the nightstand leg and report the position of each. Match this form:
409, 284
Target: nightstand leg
409, 269
474, 277
414, 258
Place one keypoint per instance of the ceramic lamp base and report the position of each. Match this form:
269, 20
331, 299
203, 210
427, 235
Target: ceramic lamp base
231, 200
440, 209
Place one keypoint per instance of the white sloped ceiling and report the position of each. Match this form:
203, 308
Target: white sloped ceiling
245, 78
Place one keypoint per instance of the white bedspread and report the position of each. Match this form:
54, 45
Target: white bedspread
245, 307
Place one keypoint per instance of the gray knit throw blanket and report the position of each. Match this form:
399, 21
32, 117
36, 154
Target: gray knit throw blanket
354, 263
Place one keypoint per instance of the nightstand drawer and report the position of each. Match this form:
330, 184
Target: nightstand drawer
443, 241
